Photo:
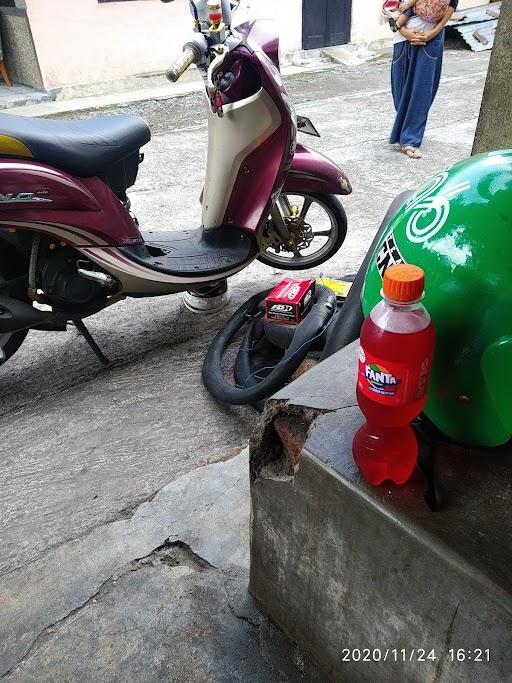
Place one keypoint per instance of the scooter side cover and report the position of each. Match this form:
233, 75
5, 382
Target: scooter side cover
263, 172
233, 140
81, 212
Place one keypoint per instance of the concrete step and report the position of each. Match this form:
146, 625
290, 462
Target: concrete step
369, 581
22, 96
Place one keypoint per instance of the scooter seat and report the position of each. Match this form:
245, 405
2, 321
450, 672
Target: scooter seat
83, 148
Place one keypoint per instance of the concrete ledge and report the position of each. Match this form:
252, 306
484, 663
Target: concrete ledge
340, 565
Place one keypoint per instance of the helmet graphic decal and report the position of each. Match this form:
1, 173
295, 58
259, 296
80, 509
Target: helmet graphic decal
427, 212
388, 255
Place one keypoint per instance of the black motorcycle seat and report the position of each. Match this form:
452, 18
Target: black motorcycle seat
84, 148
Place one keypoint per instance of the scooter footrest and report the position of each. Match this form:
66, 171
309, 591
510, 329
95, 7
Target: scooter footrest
194, 252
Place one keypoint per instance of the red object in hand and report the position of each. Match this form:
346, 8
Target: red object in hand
390, 6
397, 345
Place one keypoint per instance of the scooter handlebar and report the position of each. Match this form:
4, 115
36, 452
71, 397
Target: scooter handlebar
189, 56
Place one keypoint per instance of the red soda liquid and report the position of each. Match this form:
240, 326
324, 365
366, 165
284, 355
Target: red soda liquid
398, 348
397, 345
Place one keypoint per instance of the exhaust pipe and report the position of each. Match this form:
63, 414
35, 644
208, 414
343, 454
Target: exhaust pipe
102, 279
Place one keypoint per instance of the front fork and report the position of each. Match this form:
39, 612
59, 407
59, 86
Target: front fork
281, 211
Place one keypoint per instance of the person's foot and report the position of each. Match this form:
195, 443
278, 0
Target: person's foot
411, 152
392, 25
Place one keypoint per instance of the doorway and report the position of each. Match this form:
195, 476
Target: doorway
325, 23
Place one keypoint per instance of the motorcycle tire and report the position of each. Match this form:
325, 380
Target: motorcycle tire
334, 209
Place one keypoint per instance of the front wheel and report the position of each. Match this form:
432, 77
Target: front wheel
303, 231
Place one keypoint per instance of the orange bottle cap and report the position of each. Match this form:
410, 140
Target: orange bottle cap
403, 282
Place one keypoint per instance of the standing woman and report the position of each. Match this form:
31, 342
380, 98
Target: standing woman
415, 73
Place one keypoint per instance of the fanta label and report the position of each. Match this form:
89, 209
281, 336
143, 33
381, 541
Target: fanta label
392, 383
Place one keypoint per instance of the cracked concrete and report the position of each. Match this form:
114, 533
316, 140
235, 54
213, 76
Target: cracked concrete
159, 596
170, 554
82, 456
143, 623
196, 509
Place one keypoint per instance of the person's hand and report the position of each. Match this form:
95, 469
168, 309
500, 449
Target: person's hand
428, 35
413, 36
418, 38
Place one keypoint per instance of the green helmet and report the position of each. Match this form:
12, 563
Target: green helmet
458, 228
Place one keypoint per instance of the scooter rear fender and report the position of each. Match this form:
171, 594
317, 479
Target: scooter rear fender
312, 172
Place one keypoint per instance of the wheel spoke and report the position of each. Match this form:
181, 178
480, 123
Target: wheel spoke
322, 233
305, 207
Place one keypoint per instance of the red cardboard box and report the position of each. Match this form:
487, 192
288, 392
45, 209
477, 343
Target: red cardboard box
290, 301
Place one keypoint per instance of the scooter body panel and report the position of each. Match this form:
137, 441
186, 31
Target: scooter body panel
313, 172
137, 280
263, 170
261, 36
80, 212
245, 128
256, 157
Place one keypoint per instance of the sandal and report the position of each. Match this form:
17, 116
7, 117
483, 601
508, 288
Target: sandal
411, 152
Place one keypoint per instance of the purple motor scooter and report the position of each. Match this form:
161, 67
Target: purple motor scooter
69, 245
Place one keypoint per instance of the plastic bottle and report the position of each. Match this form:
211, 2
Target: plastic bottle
397, 345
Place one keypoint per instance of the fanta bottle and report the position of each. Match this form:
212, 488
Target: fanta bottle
395, 357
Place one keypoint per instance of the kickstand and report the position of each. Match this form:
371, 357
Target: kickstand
80, 326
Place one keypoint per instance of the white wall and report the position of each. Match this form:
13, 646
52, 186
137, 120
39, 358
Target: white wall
366, 21
82, 41
287, 14
466, 4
